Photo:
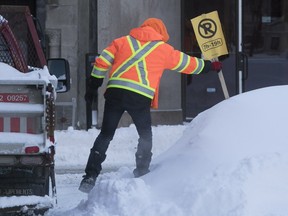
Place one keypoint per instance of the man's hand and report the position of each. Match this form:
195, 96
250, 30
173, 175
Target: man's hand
216, 66
92, 87
212, 66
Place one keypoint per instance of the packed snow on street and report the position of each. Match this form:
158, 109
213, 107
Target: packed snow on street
232, 159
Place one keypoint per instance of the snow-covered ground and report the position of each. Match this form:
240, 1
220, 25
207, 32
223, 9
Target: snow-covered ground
73, 147
231, 160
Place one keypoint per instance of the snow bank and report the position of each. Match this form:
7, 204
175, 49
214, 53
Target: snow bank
232, 160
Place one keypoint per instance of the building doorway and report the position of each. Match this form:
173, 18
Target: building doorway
203, 91
264, 50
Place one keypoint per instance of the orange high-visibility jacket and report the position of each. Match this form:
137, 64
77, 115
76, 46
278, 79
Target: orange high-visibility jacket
137, 62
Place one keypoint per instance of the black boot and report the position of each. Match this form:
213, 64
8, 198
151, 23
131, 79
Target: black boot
87, 184
142, 164
93, 168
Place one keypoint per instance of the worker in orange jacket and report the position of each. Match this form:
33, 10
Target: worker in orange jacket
135, 63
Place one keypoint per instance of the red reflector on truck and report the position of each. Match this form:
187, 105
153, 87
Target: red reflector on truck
32, 149
23, 124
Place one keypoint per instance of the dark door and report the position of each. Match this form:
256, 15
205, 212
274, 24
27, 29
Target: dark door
203, 91
263, 43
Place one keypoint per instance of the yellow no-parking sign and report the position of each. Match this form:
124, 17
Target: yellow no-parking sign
209, 34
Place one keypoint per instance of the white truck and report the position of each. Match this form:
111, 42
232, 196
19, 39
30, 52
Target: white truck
27, 118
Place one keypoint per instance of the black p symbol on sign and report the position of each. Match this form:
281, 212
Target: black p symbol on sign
207, 28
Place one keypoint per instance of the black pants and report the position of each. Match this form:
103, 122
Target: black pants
138, 107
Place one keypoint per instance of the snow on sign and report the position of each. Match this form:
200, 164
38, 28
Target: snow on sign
209, 34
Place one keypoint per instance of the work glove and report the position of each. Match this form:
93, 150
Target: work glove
211, 66
216, 66
92, 88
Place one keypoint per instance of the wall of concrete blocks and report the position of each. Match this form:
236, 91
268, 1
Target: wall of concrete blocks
77, 27
67, 30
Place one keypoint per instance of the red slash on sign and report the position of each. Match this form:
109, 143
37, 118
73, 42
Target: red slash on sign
14, 98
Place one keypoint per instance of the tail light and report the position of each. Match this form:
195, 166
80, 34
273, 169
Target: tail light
32, 149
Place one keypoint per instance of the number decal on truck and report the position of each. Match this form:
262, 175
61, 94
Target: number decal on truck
14, 98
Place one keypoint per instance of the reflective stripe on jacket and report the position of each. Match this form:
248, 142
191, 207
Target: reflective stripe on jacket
137, 62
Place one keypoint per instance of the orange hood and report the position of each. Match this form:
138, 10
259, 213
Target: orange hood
151, 29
